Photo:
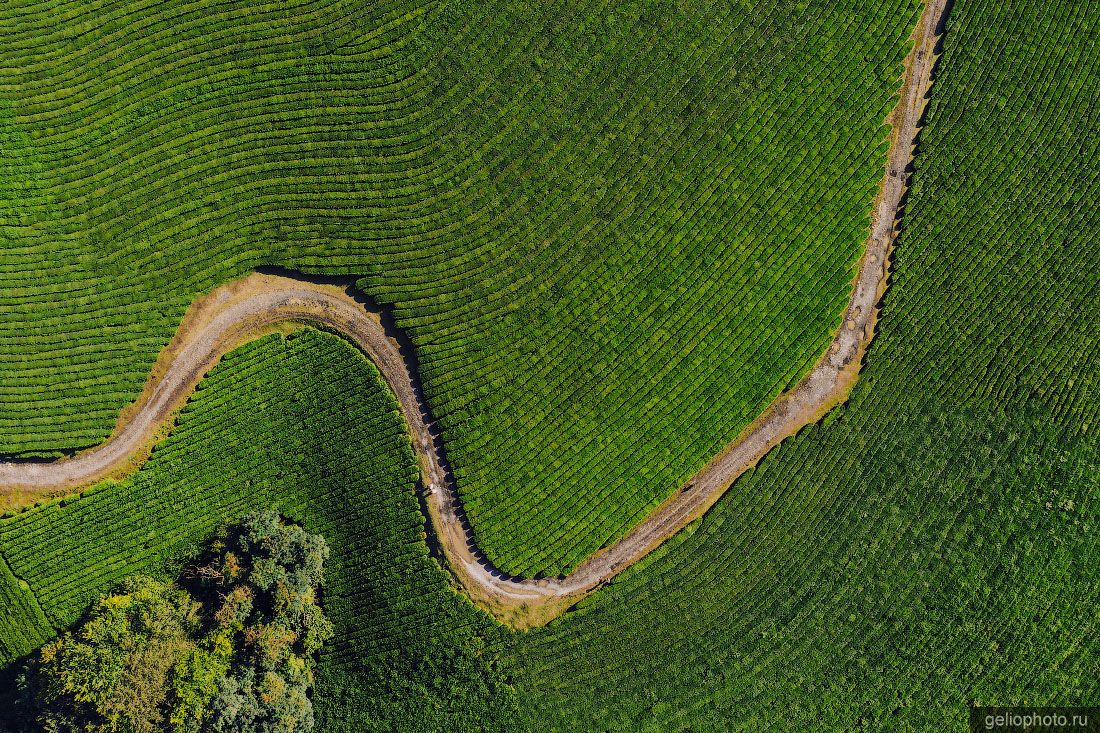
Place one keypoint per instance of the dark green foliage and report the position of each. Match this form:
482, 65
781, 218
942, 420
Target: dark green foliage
268, 576
614, 231
254, 702
23, 626
935, 544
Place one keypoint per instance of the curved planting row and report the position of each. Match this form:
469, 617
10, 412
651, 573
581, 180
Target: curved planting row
304, 424
929, 547
933, 545
226, 317
613, 234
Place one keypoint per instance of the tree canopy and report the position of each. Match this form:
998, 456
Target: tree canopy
230, 648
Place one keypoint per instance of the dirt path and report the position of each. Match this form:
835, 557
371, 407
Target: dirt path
242, 310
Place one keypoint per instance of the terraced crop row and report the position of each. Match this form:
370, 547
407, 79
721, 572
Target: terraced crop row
613, 233
305, 424
933, 544
22, 624
930, 545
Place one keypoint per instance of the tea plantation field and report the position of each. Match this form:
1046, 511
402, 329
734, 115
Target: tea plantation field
613, 232
934, 544
304, 424
929, 545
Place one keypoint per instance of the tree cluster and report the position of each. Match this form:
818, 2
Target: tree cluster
230, 651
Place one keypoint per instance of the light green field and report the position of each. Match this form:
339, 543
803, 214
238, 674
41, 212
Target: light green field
931, 544
614, 233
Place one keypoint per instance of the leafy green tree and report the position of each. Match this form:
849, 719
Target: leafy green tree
195, 682
269, 575
151, 657
113, 672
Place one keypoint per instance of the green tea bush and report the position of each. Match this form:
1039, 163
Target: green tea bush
934, 545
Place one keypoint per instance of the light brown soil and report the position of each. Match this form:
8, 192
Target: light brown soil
240, 311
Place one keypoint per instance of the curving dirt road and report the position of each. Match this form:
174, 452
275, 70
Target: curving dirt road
239, 311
